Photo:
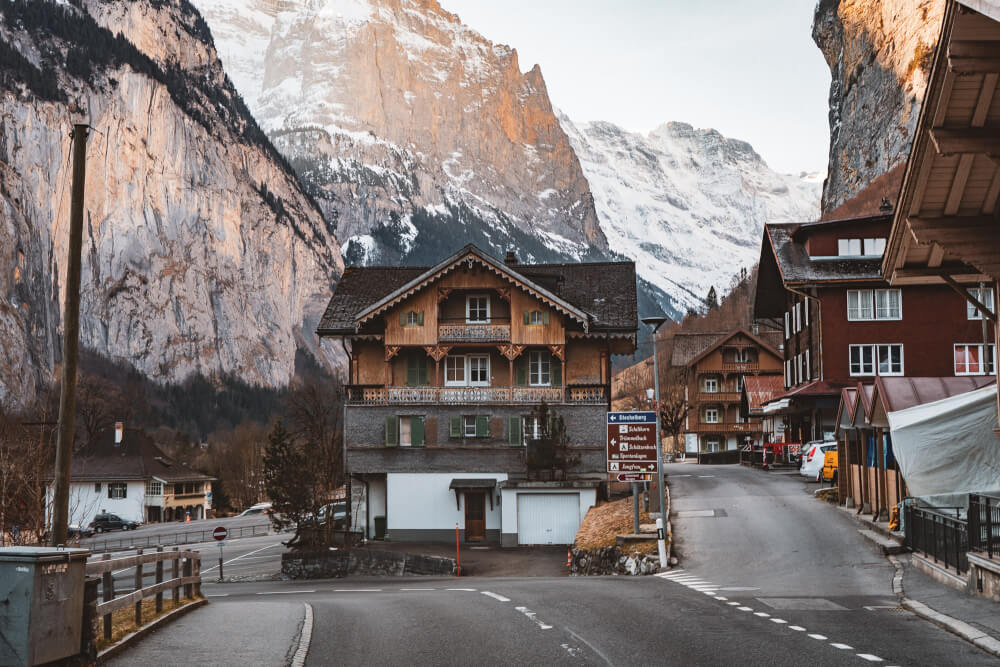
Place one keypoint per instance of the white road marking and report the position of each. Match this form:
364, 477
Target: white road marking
745, 608
842, 647
780, 621
530, 614
762, 614
283, 592
572, 650
467, 590
719, 597
299, 659
710, 593
217, 595
819, 637
797, 628
593, 648
733, 604
705, 476
249, 553
357, 590
416, 589
495, 596
869, 657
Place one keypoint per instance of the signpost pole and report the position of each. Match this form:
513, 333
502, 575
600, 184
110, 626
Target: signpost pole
656, 322
635, 508
220, 562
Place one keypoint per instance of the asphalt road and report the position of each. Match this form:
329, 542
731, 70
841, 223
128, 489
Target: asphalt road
776, 578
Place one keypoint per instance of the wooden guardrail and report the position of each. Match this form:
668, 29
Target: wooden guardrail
185, 573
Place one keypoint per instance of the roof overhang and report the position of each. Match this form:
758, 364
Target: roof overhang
480, 484
471, 255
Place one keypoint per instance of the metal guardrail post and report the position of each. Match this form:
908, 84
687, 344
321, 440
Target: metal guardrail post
138, 586
159, 580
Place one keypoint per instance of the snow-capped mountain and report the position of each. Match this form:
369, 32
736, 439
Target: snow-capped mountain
414, 132
688, 205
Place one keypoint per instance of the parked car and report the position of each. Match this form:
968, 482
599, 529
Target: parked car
335, 511
814, 457
259, 508
830, 464
104, 522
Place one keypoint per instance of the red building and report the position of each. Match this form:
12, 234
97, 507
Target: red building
844, 323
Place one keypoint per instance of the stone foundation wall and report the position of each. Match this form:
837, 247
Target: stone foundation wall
611, 560
335, 564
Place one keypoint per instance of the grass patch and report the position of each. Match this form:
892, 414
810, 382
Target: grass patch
606, 521
123, 620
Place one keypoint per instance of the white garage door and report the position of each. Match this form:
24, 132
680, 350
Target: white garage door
547, 518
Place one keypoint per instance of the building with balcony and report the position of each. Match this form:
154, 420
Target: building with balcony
447, 364
717, 366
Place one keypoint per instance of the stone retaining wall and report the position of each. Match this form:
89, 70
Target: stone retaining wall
340, 563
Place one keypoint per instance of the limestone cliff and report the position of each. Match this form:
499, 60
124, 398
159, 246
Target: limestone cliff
879, 53
201, 252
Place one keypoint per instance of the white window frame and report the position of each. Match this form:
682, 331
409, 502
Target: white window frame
463, 366
467, 421
468, 370
711, 385
468, 309
409, 431
535, 318
796, 320
788, 326
154, 487
990, 352
985, 298
862, 370
531, 426
872, 304
714, 418
886, 294
788, 372
885, 347
873, 247
849, 247
117, 490
412, 318
807, 369
542, 375
862, 297
805, 313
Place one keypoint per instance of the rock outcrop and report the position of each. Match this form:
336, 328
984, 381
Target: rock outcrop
202, 254
879, 53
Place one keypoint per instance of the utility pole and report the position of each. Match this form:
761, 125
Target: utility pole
71, 342
656, 323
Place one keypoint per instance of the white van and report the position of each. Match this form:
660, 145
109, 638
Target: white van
259, 508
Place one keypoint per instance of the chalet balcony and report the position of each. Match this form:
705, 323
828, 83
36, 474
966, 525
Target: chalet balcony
719, 397
730, 427
381, 395
740, 366
497, 330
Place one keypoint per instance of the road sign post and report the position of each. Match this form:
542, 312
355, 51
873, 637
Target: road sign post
220, 534
631, 451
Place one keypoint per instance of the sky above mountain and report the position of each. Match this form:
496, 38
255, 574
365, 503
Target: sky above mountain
748, 68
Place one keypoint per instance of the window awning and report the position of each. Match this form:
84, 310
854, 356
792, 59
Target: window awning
472, 484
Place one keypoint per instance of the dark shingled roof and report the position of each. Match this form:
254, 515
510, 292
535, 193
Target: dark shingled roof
797, 267
687, 346
606, 291
137, 457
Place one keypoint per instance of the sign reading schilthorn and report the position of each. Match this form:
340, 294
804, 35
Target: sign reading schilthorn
631, 442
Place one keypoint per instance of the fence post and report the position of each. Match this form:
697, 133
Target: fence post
108, 594
188, 588
989, 527
159, 580
197, 573
175, 573
138, 587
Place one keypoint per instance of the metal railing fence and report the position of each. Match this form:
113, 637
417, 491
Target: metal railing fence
984, 523
105, 544
943, 538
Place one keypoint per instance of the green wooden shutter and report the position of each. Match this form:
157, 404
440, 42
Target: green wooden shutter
455, 427
545, 318
420, 318
417, 431
521, 371
514, 430
482, 426
411, 371
527, 317
391, 431
422, 371
402, 318
555, 371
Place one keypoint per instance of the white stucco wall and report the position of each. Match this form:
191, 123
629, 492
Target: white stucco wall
85, 502
423, 501
588, 498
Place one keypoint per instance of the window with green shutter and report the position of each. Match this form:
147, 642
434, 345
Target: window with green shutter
521, 371
416, 370
482, 426
417, 431
391, 431
514, 431
555, 368
455, 427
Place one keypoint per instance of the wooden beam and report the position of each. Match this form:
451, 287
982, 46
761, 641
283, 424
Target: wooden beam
977, 304
973, 65
937, 254
993, 193
985, 100
957, 190
976, 140
974, 48
952, 223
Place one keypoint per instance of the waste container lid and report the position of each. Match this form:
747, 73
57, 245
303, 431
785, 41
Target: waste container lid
42, 554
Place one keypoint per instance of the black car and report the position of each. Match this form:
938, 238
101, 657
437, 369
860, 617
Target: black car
105, 521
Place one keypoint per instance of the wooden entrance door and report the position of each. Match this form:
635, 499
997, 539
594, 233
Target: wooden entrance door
475, 516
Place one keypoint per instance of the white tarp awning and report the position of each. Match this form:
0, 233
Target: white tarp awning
948, 448
776, 406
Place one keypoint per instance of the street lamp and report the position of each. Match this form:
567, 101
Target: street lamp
656, 323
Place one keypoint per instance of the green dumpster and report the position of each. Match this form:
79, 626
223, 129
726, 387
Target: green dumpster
380, 528
41, 603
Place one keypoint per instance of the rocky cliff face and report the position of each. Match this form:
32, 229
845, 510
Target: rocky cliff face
201, 252
415, 133
879, 53
689, 205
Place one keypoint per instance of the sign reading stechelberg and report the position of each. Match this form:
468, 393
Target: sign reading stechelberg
631, 442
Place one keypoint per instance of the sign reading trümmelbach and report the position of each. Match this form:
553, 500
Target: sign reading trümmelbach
631, 442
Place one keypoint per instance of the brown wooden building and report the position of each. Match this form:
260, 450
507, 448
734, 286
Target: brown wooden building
447, 364
717, 364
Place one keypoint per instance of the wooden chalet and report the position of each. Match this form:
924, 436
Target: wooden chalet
447, 364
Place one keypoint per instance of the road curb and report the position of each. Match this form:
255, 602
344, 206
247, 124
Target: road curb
128, 640
953, 625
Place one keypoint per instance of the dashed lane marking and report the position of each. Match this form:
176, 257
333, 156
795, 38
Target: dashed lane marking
821, 638
495, 596
797, 628
416, 589
745, 608
762, 614
217, 595
870, 658
779, 621
467, 590
719, 597
284, 592
733, 604
842, 647
357, 590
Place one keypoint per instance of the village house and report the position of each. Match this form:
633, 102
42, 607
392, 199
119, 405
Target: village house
717, 365
123, 472
448, 368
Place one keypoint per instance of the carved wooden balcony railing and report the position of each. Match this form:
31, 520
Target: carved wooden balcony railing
740, 366
718, 397
459, 331
731, 427
381, 395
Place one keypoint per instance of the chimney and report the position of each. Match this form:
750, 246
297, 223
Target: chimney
886, 206
510, 259
119, 432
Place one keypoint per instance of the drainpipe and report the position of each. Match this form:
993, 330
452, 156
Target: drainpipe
367, 503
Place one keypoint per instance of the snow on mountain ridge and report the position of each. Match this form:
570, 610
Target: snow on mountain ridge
688, 205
